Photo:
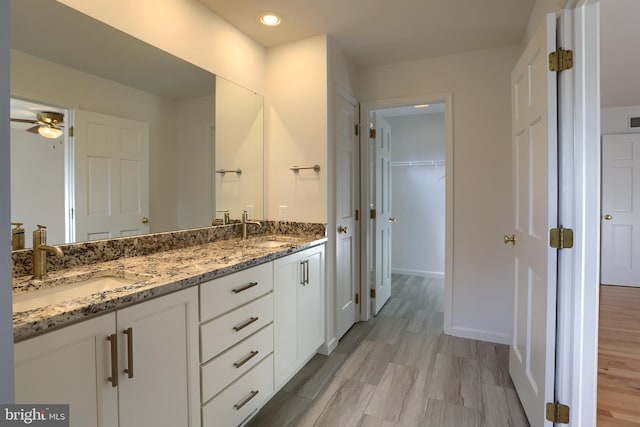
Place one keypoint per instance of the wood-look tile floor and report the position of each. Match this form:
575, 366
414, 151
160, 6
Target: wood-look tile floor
400, 370
619, 357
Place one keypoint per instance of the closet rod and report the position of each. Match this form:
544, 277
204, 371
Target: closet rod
419, 163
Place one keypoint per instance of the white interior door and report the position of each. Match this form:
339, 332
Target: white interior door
620, 211
111, 176
535, 171
347, 200
382, 220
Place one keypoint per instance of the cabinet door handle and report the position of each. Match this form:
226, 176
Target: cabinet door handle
302, 273
244, 324
244, 401
113, 339
306, 271
129, 333
246, 359
244, 288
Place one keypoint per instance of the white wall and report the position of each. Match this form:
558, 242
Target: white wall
418, 195
297, 130
188, 30
616, 119
38, 184
6, 324
194, 119
239, 145
482, 265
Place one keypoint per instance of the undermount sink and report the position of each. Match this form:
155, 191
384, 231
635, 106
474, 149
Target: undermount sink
269, 243
77, 287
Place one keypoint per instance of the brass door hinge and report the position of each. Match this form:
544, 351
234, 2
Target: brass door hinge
372, 293
357, 298
561, 60
357, 215
372, 213
558, 413
561, 238
372, 133
357, 129
71, 131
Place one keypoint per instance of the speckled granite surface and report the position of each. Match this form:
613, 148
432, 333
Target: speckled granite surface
159, 273
86, 253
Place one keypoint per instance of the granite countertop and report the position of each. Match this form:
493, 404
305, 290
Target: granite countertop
159, 274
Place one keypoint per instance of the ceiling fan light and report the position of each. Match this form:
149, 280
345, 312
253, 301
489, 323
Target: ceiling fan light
49, 131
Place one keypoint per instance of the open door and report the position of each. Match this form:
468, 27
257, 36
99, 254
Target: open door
347, 200
535, 186
382, 206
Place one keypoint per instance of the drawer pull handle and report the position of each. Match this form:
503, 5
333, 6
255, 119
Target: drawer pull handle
129, 333
244, 288
244, 324
246, 359
246, 400
113, 339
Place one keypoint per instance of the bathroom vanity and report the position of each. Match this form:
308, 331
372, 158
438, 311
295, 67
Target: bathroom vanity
202, 335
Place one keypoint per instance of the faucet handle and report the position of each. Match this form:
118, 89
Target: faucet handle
41, 227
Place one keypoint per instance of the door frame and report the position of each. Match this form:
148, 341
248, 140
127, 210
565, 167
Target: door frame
579, 271
365, 199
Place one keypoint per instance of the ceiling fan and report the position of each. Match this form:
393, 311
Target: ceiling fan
47, 124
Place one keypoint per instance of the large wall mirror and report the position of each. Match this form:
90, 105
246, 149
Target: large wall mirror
158, 144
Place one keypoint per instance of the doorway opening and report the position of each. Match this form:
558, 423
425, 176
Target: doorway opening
408, 193
40, 165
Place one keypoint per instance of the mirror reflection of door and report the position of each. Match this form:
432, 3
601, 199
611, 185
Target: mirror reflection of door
111, 176
38, 193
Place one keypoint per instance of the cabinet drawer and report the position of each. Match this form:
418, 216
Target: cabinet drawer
226, 293
223, 332
242, 398
224, 369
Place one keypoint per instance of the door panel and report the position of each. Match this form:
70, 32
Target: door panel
535, 183
382, 203
620, 210
111, 176
347, 201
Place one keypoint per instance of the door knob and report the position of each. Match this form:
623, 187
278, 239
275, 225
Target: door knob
392, 219
342, 229
608, 217
510, 239
144, 220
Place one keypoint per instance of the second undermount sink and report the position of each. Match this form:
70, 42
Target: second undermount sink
76, 288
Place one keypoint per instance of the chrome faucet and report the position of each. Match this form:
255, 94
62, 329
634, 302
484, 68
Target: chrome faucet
40, 249
245, 221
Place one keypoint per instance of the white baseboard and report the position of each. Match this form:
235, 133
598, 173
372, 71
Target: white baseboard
328, 347
480, 335
420, 273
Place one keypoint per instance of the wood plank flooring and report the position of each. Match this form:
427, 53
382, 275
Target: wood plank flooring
619, 357
400, 370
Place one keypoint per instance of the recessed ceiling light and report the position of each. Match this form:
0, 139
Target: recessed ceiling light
270, 19
421, 106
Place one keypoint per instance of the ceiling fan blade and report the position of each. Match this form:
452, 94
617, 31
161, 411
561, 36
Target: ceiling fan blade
33, 129
24, 121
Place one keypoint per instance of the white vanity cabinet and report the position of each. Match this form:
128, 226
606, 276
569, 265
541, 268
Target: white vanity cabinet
236, 345
299, 301
154, 382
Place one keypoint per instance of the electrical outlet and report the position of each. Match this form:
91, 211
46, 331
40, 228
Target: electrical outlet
282, 213
251, 211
